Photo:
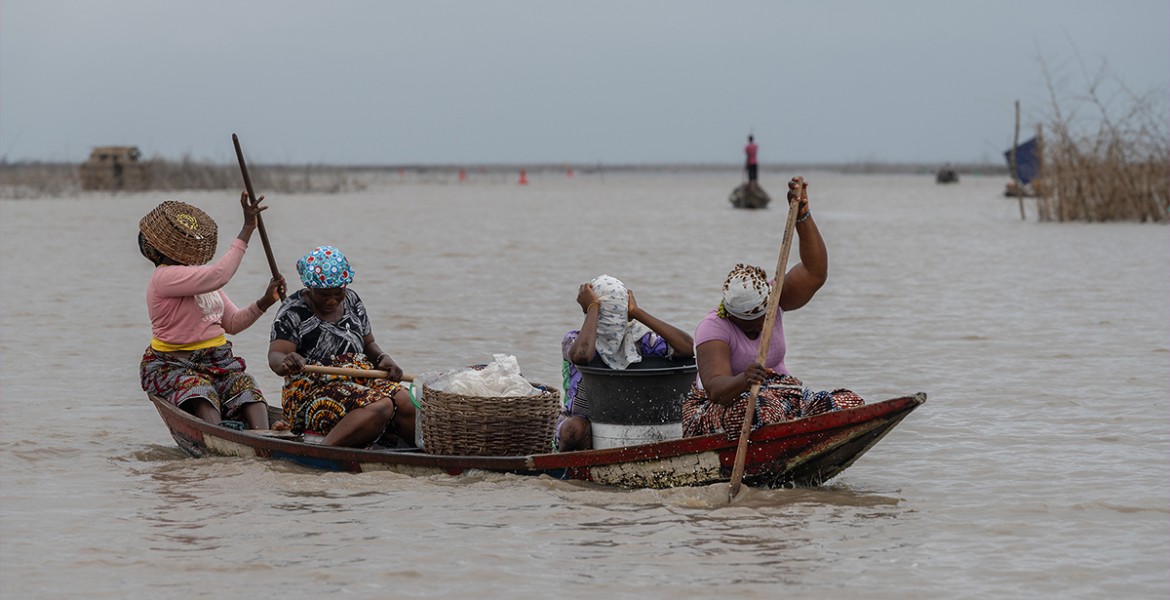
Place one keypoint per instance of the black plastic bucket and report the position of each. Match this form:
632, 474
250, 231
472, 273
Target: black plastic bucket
639, 405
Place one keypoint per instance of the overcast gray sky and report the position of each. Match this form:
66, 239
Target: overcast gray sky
451, 82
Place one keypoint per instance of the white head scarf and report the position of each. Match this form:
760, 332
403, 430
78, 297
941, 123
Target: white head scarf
745, 293
617, 336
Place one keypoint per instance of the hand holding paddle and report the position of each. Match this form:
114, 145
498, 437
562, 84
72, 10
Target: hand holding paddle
351, 372
797, 195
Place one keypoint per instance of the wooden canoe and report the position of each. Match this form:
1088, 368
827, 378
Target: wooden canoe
749, 195
946, 175
806, 451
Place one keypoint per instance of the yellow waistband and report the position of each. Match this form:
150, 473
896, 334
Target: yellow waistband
162, 346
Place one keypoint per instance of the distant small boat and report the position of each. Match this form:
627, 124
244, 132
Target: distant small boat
749, 195
947, 175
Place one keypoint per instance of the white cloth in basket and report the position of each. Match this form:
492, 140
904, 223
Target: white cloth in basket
501, 377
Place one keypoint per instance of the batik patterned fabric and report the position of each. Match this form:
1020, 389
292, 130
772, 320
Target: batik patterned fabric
324, 268
781, 398
319, 341
211, 373
617, 336
317, 403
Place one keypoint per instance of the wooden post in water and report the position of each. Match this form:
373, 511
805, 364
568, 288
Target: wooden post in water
1038, 180
1015, 167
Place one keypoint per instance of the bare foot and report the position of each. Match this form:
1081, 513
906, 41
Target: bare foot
280, 426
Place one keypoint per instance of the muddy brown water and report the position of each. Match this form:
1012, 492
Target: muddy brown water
1038, 467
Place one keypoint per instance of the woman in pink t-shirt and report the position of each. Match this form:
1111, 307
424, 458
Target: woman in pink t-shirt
727, 344
189, 361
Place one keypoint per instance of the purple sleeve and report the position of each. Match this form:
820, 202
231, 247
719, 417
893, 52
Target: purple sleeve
569, 371
567, 343
652, 344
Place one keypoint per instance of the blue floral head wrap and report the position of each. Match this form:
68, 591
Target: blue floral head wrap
324, 268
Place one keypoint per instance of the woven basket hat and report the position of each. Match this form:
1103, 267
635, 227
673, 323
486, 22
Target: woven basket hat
182, 232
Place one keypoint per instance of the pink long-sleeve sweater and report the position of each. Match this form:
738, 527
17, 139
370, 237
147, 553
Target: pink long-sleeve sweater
187, 304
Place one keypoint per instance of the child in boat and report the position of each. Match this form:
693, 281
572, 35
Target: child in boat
189, 361
728, 341
326, 324
618, 331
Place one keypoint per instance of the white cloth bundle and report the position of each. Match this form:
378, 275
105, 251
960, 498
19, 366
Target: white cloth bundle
501, 377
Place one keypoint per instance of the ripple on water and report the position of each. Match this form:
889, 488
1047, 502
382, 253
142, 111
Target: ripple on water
1037, 468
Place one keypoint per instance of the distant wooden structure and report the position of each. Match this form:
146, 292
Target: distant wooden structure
115, 168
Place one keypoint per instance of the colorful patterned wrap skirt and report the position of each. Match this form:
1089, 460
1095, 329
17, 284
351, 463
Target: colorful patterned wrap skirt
214, 374
781, 398
317, 403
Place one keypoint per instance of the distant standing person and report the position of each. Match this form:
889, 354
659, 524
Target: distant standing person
751, 164
117, 173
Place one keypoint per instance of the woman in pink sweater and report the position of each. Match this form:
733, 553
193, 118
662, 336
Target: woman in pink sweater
189, 361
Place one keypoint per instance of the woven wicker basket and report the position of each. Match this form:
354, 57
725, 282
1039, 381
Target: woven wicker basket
489, 426
180, 231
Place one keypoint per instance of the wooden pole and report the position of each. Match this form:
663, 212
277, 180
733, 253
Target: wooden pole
766, 337
259, 219
351, 372
1038, 181
1015, 167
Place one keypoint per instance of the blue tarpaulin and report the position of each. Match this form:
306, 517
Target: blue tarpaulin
1026, 161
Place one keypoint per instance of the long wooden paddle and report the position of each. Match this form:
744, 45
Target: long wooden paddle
259, 219
765, 339
351, 372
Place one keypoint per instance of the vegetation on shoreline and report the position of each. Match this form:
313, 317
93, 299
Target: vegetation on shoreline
47, 180
1105, 155
41, 180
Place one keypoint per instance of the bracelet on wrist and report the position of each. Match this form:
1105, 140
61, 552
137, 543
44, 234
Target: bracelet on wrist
806, 215
591, 305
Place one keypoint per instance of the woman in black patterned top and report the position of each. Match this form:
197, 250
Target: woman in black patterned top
326, 324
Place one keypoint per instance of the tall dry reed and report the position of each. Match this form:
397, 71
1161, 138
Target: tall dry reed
1105, 155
